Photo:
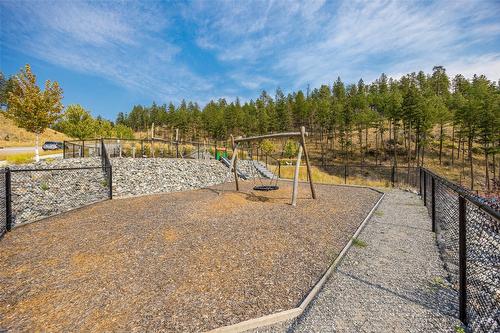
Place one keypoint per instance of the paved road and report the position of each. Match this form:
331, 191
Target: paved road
396, 283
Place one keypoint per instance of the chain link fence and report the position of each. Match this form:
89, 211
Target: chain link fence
140, 148
468, 235
3, 203
377, 175
40, 193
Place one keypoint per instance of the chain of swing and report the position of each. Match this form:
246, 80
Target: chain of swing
256, 175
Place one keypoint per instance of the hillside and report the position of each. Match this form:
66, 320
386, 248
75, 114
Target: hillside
13, 136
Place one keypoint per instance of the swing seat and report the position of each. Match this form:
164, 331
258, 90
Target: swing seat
266, 188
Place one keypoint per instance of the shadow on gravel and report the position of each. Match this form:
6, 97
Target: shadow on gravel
425, 229
434, 296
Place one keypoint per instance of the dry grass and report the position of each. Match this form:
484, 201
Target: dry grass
22, 158
13, 136
319, 176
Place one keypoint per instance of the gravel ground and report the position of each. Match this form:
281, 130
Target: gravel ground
179, 262
396, 283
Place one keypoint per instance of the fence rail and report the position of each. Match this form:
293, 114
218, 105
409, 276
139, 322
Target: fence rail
140, 148
468, 236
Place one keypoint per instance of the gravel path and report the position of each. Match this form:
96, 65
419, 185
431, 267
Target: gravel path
178, 262
395, 283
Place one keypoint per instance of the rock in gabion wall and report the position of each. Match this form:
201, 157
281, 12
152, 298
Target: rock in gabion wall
156, 175
41, 193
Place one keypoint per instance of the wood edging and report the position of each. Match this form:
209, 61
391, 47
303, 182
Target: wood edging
277, 317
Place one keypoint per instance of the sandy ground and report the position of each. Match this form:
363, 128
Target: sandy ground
187, 261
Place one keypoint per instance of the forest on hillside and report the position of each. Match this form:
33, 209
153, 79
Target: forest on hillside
389, 120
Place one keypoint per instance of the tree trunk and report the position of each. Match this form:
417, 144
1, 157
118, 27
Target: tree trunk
361, 150
471, 165
463, 160
423, 151
37, 156
382, 144
487, 169
440, 143
333, 144
423, 154
408, 152
417, 145
395, 144
494, 168
366, 140
452, 145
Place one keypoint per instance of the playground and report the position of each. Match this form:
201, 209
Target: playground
187, 261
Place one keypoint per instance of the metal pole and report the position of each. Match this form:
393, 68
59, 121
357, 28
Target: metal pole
64, 149
8, 200
433, 203
462, 260
345, 173
425, 188
110, 181
393, 172
83, 148
420, 181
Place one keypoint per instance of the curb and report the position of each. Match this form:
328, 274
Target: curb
277, 317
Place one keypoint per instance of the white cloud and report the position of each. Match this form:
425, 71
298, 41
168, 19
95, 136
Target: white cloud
124, 44
254, 45
296, 43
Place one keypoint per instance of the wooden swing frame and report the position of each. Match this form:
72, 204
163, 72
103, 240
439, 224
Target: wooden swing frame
302, 149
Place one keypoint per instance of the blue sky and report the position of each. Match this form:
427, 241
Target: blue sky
111, 55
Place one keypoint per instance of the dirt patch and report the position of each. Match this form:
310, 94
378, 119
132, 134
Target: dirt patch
189, 261
170, 235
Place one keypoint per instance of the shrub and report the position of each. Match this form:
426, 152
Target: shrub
291, 149
267, 147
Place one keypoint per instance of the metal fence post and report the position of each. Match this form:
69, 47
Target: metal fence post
345, 173
8, 200
420, 182
279, 169
177, 149
462, 260
433, 203
110, 181
64, 149
393, 173
83, 148
425, 188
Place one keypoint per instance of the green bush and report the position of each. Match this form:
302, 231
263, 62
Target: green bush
291, 149
266, 147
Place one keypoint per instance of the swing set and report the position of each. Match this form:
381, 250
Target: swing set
273, 184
